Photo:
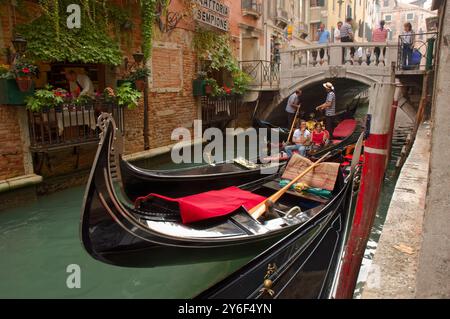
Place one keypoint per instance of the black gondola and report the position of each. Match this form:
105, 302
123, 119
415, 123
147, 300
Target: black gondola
303, 265
140, 182
113, 229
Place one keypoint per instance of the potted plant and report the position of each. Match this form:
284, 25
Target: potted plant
138, 76
199, 84
45, 99
127, 96
24, 71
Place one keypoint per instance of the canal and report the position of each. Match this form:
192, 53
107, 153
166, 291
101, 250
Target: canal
39, 240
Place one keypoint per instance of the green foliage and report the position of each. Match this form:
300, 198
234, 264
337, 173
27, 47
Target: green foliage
127, 96
45, 98
139, 74
148, 11
50, 40
218, 51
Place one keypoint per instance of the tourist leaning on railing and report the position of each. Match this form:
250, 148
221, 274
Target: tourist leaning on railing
407, 40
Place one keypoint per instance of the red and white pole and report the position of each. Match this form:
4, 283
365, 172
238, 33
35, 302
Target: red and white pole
375, 159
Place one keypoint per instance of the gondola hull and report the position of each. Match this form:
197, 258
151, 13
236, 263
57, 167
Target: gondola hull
303, 263
112, 228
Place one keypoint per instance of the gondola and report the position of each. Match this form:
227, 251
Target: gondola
138, 181
283, 133
305, 264
113, 228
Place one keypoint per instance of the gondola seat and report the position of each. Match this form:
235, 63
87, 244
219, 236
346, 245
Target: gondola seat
345, 128
208, 205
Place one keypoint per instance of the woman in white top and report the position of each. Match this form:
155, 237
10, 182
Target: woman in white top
302, 140
337, 33
407, 44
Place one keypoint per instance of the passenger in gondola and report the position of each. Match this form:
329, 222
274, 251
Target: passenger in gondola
319, 137
301, 139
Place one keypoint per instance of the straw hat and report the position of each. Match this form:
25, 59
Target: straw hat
329, 86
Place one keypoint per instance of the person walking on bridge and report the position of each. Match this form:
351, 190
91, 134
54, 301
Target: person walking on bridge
347, 35
380, 35
293, 104
330, 108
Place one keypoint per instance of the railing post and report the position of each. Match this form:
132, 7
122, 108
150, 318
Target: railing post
335, 55
381, 58
325, 56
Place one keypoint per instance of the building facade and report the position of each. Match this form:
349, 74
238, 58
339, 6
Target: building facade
397, 13
174, 66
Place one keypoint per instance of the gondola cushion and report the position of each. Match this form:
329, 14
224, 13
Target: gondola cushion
345, 128
213, 204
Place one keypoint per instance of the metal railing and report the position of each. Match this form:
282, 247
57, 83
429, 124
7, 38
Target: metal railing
417, 51
69, 125
265, 74
220, 109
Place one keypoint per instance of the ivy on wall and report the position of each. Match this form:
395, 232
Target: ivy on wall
50, 40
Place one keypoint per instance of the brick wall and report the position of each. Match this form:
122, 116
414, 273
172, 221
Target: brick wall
11, 153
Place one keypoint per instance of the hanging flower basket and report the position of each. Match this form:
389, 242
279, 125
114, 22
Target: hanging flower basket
25, 83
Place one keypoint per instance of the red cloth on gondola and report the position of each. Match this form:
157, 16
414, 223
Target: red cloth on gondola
211, 204
344, 129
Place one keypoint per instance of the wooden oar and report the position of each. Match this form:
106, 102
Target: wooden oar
293, 125
259, 210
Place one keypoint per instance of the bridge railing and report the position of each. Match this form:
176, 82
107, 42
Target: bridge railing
371, 54
264, 74
419, 55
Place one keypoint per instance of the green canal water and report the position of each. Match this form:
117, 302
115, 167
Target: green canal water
39, 240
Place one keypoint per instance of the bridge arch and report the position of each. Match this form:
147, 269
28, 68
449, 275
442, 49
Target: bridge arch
314, 94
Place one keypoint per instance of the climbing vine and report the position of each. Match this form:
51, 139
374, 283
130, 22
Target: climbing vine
217, 51
148, 9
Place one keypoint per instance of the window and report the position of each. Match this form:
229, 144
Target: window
409, 16
317, 3
386, 3
388, 18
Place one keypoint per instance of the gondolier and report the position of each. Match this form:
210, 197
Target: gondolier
293, 104
330, 108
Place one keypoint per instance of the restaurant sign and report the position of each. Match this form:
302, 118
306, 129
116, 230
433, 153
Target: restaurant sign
213, 13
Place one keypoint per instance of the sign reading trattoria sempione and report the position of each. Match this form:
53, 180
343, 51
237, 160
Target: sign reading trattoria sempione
213, 13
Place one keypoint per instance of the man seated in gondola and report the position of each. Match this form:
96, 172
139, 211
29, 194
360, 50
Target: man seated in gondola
301, 139
319, 137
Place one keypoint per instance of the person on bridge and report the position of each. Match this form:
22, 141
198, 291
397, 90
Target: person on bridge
380, 35
347, 35
407, 41
337, 32
323, 37
293, 104
329, 107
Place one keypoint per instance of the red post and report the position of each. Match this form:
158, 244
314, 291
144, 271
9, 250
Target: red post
375, 156
375, 159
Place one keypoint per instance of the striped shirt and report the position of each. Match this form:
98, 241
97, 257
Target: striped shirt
346, 30
331, 111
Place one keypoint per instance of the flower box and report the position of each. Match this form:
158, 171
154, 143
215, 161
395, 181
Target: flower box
10, 93
198, 87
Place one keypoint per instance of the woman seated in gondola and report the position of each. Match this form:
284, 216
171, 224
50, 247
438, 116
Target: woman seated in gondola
301, 139
319, 137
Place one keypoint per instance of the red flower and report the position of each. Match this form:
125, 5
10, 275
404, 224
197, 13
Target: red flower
26, 70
